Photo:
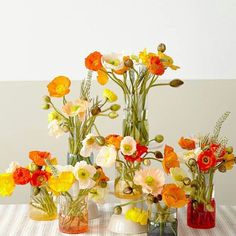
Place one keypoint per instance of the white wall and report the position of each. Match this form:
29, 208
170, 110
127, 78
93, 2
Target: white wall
44, 38
193, 108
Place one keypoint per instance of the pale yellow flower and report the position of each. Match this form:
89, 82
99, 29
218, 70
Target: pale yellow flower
106, 156
128, 146
109, 95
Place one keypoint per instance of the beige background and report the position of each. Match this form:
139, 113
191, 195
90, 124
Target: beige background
193, 108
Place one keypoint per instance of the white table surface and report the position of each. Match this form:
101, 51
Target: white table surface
14, 221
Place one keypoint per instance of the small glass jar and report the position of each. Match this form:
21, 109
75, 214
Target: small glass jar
199, 216
42, 205
73, 213
125, 188
163, 223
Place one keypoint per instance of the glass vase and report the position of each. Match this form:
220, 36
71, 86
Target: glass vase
163, 223
42, 205
72, 159
73, 213
135, 122
200, 216
124, 184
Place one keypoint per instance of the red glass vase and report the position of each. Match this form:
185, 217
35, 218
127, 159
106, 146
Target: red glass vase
199, 217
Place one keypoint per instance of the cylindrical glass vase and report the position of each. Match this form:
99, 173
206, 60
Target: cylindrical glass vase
125, 188
42, 206
200, 216
73, 213
163, 223
135, 122
72, 159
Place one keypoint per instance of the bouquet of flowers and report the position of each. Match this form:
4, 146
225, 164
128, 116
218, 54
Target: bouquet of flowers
204, 156
136, 75
77, 118
37, 174
74, 185
127, 154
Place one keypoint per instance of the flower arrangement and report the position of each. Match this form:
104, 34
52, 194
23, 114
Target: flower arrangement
42, 205
74, 185
128, 156
77, 118
136, 75
161, 199
204, 156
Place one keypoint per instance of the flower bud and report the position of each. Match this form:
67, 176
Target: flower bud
103, 184
155, 200
161, 47
115, 107
65, 128
159, 197
187, 181
158, 155
222, 168
33, 167
95, 110
176, 83
46, 99
96, 176
113, 115
159, 138
117, 210
45, 106
128, 63
128, 190
147, 162
229, 150
192, 162
100, 140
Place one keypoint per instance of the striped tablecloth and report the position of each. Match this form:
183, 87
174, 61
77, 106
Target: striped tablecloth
14, 221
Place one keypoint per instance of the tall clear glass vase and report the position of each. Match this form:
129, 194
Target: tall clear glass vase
135, 122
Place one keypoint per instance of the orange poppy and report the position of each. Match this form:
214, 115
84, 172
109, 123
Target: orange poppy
187, 143
102, 77
170, 159
93, 61
173, 196
39, 177
114, 139
39, 157
59, 86
124, 69
155, 65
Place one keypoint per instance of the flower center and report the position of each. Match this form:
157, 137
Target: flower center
149, 180
60, 89
205, 160
83, 174
90, 141
127, 147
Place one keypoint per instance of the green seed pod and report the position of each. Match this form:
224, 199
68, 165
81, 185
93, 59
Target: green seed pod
115, 107
176, 83
147, 162
229, 150
113, 115
161, 47
222, 168
45, 106
117, 210
46, 99
159, 138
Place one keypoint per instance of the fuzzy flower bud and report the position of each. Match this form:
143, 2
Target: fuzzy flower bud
95, 110
45, 106
158, 155
117, 210
161, 47
159, 138
46, 99
176, 83
128, 63
113, 115
115, 107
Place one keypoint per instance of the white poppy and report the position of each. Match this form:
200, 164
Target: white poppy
106, 156
113, 61
12, 167
89, 145
128, 146
98, 194
54, 129
84, 173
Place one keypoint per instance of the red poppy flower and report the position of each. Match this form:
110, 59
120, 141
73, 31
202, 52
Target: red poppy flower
39, 177
93, 61
140, 150
206, 160
214, 148
21, 176
39, 157
155, 65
